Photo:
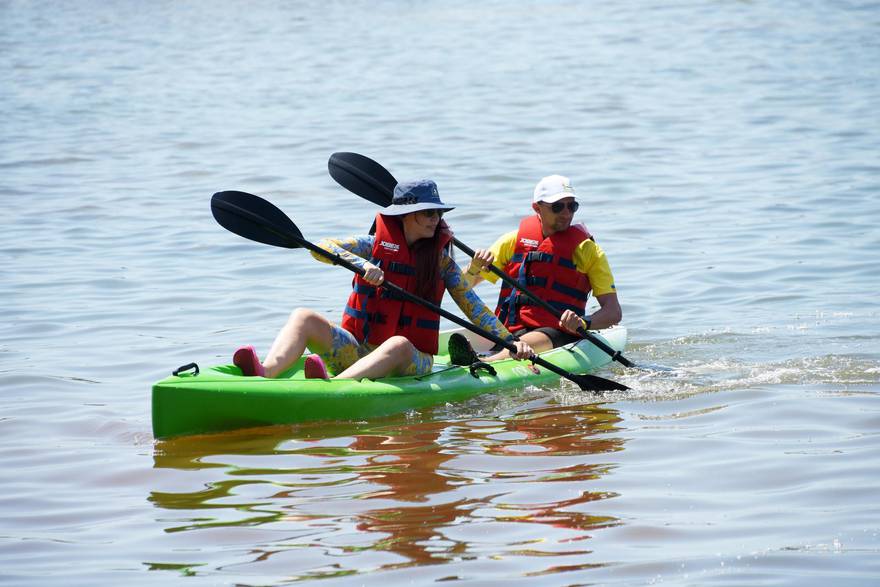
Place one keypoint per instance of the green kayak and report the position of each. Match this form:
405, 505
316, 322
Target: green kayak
220, 398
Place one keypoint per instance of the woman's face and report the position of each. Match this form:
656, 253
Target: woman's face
422, 224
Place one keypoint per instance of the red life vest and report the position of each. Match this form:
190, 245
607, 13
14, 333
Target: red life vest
545, 266
375, 314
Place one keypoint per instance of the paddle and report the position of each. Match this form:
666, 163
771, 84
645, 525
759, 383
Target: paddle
256, 219
366, 178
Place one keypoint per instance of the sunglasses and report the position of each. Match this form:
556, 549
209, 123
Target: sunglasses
557, 207
431, 213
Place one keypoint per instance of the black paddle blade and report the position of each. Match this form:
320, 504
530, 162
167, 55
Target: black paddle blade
362, 176
254, 218
594, 383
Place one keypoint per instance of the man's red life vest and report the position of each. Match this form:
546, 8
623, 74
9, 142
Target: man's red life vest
375, 314
545, 267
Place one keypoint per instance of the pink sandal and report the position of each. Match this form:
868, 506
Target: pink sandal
314, 368
245, 358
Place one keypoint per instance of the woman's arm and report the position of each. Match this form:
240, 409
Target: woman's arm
470, 303
356, 250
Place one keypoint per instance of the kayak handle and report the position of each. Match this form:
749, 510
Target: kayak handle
187, 367
476, 366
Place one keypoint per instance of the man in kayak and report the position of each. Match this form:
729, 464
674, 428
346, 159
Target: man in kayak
557, 261
380, 334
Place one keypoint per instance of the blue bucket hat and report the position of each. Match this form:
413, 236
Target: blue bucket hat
413, 196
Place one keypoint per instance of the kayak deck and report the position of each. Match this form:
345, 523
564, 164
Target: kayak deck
220, 398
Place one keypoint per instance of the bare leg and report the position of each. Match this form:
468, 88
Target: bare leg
389, 358
539, 342
304, 328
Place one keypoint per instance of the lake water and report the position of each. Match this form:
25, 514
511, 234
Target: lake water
726, 158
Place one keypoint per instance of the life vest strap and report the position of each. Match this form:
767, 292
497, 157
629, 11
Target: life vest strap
363, 288
390, 294
507, 303
429, 324
420, 323
394, 266
401, 268
570, 291
539, 256
374, 317
531, 280
355, 313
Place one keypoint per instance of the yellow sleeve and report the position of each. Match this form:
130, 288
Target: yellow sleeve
590, 259
502, 249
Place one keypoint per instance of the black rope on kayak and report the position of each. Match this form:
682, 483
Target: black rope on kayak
184, 368
571, 346
477, 365
426, 375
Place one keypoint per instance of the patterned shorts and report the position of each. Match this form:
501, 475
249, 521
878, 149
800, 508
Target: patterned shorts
345, 351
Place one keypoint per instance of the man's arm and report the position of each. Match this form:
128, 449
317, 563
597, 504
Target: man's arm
498, 254
608, 314
590, 260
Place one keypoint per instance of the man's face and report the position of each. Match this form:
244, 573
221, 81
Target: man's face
558, 220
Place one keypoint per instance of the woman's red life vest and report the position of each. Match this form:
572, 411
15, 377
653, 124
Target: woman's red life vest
376, 314
545, 267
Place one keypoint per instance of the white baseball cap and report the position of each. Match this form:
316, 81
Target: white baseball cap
553, 188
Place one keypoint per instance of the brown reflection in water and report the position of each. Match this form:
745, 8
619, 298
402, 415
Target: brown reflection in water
409, 464
561, 432
414, 476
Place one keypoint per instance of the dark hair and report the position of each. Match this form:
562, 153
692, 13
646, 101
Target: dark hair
426, 258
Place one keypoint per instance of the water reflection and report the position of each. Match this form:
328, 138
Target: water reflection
399, 492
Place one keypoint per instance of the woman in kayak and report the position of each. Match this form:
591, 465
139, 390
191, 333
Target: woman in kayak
381, 334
